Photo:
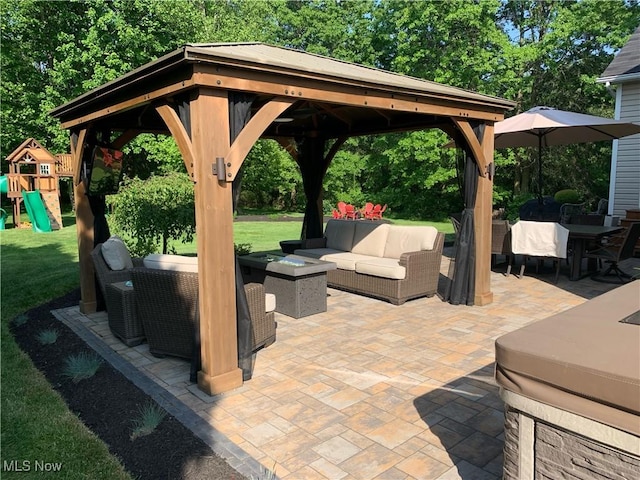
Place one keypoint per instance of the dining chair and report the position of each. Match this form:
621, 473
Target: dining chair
569, 209
501, 241
613, 254
539, 240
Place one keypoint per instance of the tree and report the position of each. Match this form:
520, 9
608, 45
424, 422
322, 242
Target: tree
149, 214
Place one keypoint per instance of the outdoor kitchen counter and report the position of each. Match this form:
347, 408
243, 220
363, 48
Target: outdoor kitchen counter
571, 385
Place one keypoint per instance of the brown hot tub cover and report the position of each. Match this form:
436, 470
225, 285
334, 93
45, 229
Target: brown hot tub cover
583, 360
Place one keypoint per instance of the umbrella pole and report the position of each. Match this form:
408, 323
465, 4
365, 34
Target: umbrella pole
540, 201
540, 169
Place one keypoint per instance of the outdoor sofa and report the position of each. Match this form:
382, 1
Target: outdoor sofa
391, 262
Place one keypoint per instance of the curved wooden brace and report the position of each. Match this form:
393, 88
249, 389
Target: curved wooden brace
124, 138
252, 132
76, 154
332, 152
180, 135
473, 142
289, 145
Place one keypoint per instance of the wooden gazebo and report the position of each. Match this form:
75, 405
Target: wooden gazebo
217, 100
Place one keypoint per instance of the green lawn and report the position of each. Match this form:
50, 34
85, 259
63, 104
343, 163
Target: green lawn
35, 268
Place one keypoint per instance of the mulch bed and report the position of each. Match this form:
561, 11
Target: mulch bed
108, 403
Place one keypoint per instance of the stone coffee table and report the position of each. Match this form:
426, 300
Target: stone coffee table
299, 283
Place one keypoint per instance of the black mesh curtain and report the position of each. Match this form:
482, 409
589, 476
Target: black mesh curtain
312, 163
462, 288
239, 116
98, 206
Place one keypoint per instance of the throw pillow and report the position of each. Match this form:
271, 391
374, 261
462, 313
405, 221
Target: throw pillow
115, 254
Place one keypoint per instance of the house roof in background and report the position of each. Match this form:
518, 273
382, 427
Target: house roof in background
626, 64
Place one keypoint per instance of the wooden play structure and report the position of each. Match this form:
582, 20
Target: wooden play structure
32, 168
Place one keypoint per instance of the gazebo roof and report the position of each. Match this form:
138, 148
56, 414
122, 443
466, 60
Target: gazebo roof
268, 71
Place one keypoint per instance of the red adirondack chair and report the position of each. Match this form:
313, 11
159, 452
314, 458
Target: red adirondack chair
342, 209
366, 210
351, 212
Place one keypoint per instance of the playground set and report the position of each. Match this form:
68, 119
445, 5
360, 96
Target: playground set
33, 180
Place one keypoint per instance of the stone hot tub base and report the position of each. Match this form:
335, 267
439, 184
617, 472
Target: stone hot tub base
544, 442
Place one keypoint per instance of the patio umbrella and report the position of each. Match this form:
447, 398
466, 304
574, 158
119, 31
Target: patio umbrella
544, 126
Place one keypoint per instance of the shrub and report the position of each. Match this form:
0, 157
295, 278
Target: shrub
82, 366
151, 415
242, 248
567, 196
47, 337
20, 320
149, 213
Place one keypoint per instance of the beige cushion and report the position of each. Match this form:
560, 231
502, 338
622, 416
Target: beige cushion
382, 267
345, 260
403, 239
370, 238
339, 234
270, 302
176, 263
115, 254
539, 239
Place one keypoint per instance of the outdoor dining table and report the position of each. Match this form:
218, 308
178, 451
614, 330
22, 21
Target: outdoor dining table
580, 235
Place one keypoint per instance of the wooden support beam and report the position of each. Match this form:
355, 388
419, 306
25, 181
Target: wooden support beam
180, 135
84, 227
135, 102
358, 96
483, 216
214, 228
252, 131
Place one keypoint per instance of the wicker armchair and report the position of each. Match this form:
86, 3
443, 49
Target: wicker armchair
105, 275
167, 303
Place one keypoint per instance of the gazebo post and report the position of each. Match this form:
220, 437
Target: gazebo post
84, 226
214, 228
482, 214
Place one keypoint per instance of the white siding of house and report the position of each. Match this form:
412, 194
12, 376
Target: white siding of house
626, 155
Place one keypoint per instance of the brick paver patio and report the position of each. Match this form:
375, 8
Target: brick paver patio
366, 390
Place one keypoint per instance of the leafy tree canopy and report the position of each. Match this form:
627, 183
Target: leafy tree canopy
533, 52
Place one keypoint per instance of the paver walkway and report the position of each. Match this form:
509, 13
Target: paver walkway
366, 390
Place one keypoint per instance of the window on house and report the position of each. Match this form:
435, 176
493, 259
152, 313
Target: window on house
45, 169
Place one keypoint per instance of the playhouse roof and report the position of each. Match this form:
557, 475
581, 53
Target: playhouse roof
30, 150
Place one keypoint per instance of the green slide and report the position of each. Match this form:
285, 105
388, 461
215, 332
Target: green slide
36, 211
